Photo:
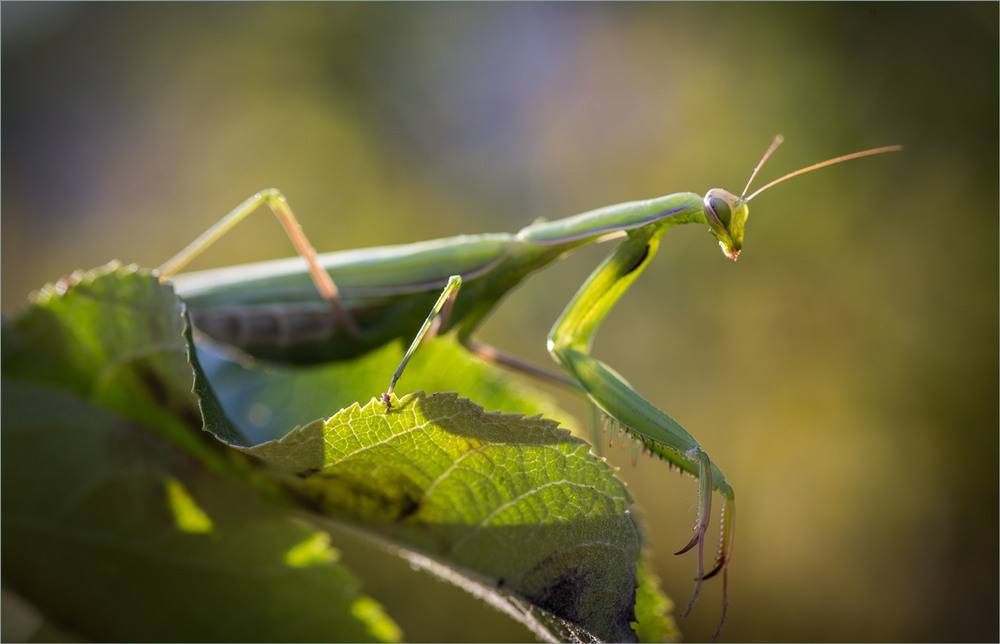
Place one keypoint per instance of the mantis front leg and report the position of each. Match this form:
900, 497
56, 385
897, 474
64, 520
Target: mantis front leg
570, 342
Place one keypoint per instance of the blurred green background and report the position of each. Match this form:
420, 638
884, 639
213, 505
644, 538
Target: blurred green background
843, 373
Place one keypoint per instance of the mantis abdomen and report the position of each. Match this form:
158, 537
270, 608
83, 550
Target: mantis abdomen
272, 311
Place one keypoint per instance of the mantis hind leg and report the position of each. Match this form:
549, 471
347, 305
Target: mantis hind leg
279, 206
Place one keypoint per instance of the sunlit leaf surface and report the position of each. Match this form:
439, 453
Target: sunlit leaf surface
515, 505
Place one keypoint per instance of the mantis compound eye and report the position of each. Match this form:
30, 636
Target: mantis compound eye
719, 206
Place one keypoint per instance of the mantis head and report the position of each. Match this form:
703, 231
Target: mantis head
727, 213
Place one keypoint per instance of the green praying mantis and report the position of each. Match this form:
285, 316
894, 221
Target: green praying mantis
351, 302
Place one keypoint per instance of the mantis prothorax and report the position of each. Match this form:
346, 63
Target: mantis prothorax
369, 297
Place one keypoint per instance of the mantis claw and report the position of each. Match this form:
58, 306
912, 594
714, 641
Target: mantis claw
701, 525
691, 544
697, 582
719, 565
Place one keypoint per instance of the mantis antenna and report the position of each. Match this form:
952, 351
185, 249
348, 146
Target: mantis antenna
816, 166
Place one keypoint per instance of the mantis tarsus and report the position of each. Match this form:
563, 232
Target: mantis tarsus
369, 297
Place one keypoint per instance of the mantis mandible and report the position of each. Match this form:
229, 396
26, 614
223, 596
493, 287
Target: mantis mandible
366, 298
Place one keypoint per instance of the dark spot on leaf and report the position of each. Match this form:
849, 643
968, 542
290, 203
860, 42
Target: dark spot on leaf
563, 594
567, 590
151, 381
362, 496
255, 460
190, 417
182, 407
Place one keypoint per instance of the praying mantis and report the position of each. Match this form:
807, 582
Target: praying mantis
341, 305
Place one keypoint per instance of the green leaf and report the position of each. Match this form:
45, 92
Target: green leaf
114, 335
122, 519
263, 396
131, 522
515, 506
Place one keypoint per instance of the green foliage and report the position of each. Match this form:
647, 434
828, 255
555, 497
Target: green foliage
125, 520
